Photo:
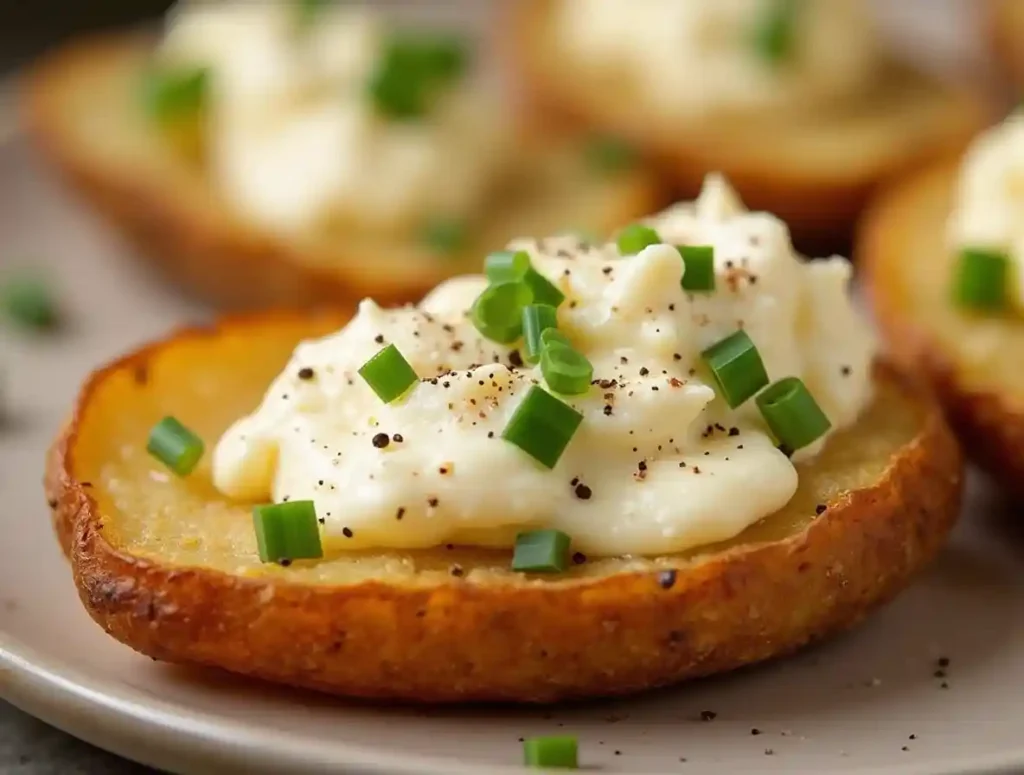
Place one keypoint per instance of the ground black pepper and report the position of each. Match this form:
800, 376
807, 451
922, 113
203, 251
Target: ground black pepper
432, 502
820, 509
381, 440
667, 579
755, 731
583, 492
347, 532
284, 562
708, 715
379, 339
306, 373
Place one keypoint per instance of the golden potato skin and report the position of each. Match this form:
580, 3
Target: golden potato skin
515, 639
81, 116
1004, 27
819, 192
902, 226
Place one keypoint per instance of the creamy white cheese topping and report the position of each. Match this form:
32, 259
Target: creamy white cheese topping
659, 464
295, 142
692, 58
988, 211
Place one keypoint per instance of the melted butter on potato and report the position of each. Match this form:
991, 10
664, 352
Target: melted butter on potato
658, 465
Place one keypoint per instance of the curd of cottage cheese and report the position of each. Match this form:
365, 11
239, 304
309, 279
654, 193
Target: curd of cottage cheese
989, 203
658, 464
694, 58
296, 143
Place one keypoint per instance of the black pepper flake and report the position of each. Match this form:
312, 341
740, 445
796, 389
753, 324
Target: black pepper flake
400, 513
306, 373
755, 731
608, 410
623, 360
579, 558
943, 662
457, 345
943, 685
607, 270
381, 440
667, 579
904, 748
708, 715
642, 465
768, 752
820, 509
583, 492
284, 562
490, 434
644, 371
912, 737
457, 571
939, 673
734, 431
846, 371
347, 532
379, 339
432, 502
677, 357
398, 437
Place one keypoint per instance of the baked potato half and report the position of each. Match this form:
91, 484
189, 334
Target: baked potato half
972, 360
83, 114
815, 171
169, 567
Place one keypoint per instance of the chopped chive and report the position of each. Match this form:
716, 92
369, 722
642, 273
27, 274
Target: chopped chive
498, 312
411, 73
28, 302
774, 32
444, 56
981, 280
737, 368
542, 426
699, 261
445, 235
175, 446
537, 318
173, 93
506, 266
609, 154
635, 238
541, 551
308, 11
792, 414
550, 336
388, 374
287, 531
565, 370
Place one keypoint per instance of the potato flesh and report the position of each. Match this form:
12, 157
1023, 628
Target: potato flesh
207, 381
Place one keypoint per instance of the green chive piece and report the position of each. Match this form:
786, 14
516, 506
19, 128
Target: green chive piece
541, 551
537, 318
981, 280
413, 71
506, 266
699, 261
737, 368
565, 370
635, 238
542, 426
27, 301
445, 235
175, 446
388, 374
308, 11
609, 154
551, 336
287, 531
792, 414
169, 93
497, 313
774, 33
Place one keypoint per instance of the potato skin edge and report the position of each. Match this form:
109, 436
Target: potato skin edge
529, 642
990, 425
208, 255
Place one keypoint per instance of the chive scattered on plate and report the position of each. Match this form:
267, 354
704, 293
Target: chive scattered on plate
175, 446
28, 302
541, 551
498, 312
171, 93
792, 414
737, 368
981, 280
505, 266
411, 72
555, 752
699, 260
287, 531
388, 374
542, 426
636, 237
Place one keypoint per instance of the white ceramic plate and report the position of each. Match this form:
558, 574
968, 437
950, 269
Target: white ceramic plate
852, 705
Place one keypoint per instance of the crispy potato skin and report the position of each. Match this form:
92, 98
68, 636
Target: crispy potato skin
989, 423
523, 641
820, 202
1004, 28
192, 238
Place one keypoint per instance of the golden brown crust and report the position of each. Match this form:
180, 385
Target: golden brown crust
1004, 25
815, 173
81, 115
504, 638
900, 231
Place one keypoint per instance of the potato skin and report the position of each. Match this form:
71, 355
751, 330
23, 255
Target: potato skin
990, 424
524, 641
1004, 29
191, 238
819, 202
